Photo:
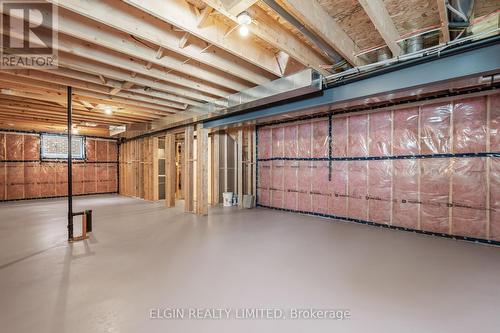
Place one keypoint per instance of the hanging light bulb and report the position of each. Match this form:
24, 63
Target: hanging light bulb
108, 109
74, 130
244, 31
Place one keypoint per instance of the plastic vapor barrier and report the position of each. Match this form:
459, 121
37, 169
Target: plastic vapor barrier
25, 175
433, 168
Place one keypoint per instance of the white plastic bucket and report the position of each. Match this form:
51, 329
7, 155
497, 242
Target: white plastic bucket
227, 199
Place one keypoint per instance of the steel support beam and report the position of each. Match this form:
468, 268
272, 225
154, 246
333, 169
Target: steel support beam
461, 62
70, 163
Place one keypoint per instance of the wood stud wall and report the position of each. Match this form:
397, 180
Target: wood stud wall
139, 170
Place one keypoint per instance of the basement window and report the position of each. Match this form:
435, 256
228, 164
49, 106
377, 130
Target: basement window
54, 146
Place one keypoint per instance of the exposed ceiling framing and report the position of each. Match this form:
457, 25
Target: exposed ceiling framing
151, 59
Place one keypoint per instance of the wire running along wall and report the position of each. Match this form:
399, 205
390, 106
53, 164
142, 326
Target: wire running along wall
25, 175
433, 169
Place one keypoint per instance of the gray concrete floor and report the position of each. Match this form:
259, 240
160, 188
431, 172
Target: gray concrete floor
143, 256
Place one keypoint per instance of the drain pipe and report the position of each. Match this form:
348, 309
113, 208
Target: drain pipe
327, 49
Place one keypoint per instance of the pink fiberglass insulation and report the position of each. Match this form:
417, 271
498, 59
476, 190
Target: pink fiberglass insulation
435, 128
379, 191
339, 137
90, 185
264, 182
278, 142
405, 193
469, 197
320, 138
2, 181
320, 187
469, 125
357, 190
102, 150
47, 180
435, 193
14, 146
304, 186
291, 183
61, 170
338, 189
31, 147
380, 134
78, 173
31, 179
112, 151
264, 138
112, 177
102, 178
90, 150
304, 140
405, 137
358, 136
290, 141
495, 123
15, 180
2, 147
443, 195
495, 199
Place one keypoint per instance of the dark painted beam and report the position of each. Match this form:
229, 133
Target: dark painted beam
481, 58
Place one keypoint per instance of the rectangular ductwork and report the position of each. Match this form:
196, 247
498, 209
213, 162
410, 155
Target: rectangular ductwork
298, 84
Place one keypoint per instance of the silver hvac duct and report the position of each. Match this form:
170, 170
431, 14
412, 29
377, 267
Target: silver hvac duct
414, 44
461, 10
460, 15
384, 54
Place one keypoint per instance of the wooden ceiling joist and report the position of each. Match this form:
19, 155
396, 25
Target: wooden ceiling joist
91, 40
62, 79
322, 24
58, 94
84, 74
235, 7
277, 36
72, 52
141, 26
176, 12
50, 126
15, 102
378, 14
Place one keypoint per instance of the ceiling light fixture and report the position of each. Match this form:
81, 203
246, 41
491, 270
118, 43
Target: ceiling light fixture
74, 130
108, 109
244, 20
244, 30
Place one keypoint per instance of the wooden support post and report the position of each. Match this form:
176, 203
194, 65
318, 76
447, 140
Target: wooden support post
201, 170
216, 169
254, 165
156, 195
240, 168
188, 168
226, 162
170, 175
249, 162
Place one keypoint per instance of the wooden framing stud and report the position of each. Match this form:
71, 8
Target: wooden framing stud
188, 168
170, 172
201, 170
